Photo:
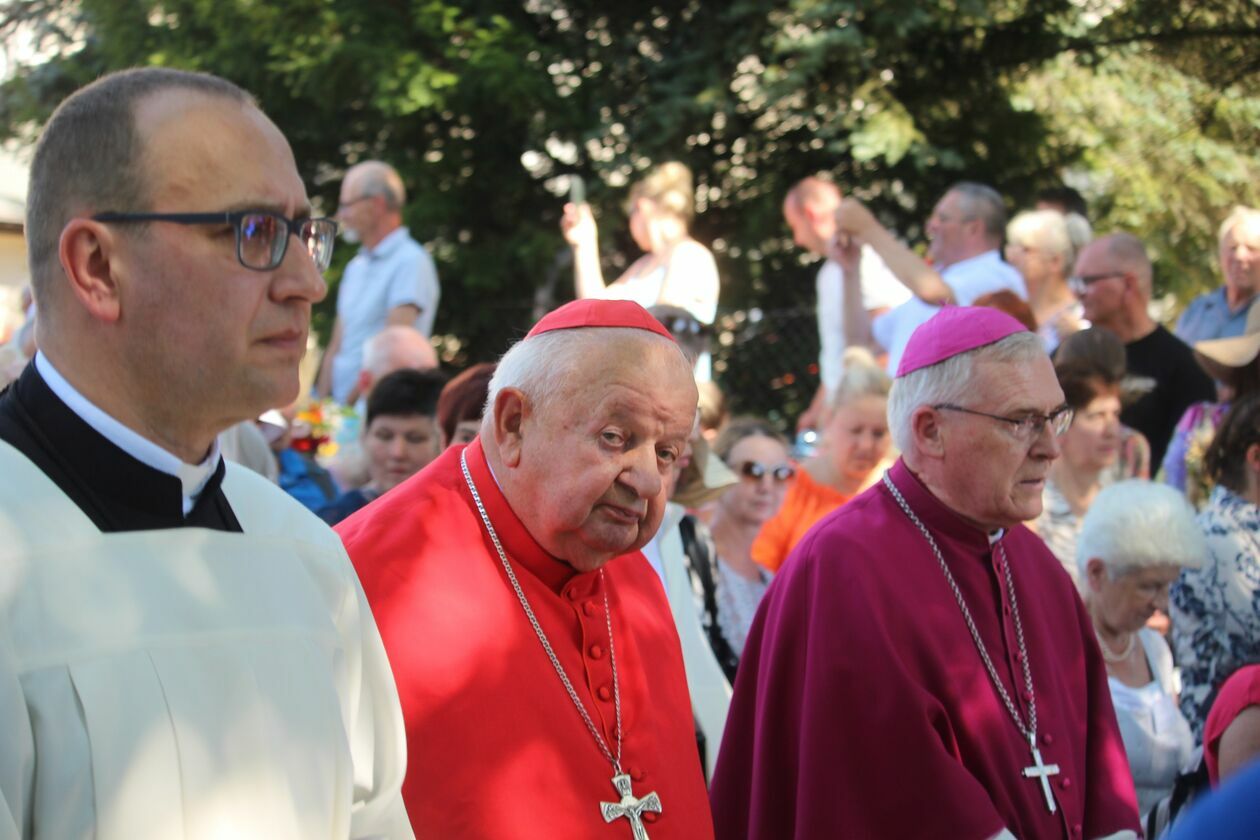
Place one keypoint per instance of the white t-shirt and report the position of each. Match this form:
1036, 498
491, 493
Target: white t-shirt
397, 271
880, 290
972, 278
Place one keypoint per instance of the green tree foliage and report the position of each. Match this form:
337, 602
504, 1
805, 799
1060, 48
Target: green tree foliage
485, 106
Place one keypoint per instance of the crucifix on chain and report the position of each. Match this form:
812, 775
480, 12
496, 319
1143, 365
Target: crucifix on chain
1042, 771
630, 807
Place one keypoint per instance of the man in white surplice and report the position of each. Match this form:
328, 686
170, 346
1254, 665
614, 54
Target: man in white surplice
185, 652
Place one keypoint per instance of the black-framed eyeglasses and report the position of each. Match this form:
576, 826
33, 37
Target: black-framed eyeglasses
262, 237
757, 471
1027, 428
1081, 282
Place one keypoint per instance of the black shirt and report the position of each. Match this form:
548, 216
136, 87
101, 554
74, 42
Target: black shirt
1179, 383
116, 491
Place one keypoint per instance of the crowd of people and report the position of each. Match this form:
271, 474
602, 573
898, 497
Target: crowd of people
1012, 592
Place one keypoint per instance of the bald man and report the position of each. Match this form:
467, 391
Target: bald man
1113, 281
392, 280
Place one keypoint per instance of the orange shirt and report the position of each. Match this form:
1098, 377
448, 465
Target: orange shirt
806, 502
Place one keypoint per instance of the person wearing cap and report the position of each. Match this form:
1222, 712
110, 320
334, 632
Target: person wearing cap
1216, 609
1222, 312
922, 666
185, 652
541, 679
1235, 364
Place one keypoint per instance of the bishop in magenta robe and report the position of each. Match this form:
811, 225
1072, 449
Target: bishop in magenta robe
862, 707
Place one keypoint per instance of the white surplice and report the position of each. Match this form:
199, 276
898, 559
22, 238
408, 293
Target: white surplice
189, 684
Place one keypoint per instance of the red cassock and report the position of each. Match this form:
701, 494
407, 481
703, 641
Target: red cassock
495, 746
863, 710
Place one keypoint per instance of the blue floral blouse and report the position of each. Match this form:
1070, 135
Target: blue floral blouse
1216, 609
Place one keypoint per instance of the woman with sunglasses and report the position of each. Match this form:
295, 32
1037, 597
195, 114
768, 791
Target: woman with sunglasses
759, 456
851, 455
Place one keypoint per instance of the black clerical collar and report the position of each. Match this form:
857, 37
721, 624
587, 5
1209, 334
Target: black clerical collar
115, 490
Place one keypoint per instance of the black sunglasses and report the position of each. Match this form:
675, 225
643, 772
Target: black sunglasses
757, 471
262, 237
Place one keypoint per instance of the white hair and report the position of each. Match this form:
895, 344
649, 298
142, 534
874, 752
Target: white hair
951, 381
398, 346
1046, 230
1137, 524
541, 367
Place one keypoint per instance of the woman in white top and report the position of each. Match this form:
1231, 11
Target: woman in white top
675, 269
1135, 540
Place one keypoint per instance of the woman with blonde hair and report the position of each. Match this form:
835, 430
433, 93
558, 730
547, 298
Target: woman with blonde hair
851, 455
675, 269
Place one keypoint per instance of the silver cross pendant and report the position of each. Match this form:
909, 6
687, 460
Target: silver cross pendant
630, 807
1042, 771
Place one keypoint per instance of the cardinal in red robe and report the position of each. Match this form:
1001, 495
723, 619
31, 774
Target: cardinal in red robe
540, 674
922, 666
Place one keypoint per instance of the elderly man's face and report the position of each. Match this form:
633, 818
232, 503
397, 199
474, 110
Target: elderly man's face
1240, 256
996, 479
218, 341
948, 231
596, 460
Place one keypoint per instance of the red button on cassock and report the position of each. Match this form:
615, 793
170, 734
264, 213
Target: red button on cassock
596, 652
603, 693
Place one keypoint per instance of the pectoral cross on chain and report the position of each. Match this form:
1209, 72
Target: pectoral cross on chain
629, 807
1043, 772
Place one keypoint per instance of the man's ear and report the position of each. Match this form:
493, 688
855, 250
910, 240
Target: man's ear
87, 250
927, 431
511, 407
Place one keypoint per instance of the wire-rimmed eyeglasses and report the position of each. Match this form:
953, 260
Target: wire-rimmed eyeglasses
1026, 428
262, 237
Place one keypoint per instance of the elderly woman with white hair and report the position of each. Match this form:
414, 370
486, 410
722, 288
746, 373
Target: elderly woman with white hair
1040, 243
1136, 539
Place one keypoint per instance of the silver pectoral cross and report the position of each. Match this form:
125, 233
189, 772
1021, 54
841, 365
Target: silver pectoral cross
1042, 771
630, 807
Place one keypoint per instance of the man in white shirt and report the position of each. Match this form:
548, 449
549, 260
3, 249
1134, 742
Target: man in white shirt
964, 237
390, 281
184, 651
810, 211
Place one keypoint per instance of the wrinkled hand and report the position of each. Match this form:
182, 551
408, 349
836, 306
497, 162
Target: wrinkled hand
853, 218
578, 225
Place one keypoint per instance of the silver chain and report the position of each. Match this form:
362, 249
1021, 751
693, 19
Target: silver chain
542, 637
1029, 731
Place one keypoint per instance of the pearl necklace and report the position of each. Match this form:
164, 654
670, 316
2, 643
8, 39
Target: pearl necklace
1107, 653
